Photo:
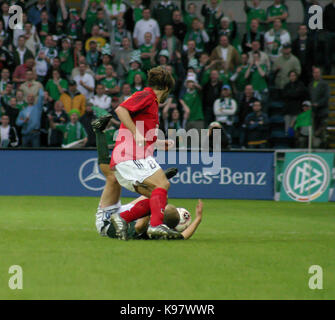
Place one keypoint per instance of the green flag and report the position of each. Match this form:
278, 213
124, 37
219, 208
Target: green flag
304, 119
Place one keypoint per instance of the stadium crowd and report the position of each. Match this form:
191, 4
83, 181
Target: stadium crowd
66, 67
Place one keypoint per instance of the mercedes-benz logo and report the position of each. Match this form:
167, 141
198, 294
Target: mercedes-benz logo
90, 176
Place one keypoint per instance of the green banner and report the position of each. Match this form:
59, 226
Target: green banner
306, 177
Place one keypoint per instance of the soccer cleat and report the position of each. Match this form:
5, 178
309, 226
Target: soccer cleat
101, 123
162, 232
120, 225
102, 223
170, 172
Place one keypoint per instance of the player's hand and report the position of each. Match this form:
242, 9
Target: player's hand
139, 139
198, 209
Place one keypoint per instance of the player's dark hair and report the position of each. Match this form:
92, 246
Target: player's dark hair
160, 78
171, 216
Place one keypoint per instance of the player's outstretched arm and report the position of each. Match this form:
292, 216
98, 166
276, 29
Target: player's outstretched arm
189, 231
126, 119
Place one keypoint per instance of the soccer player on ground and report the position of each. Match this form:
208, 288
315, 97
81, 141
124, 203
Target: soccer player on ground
137, 212
132, 155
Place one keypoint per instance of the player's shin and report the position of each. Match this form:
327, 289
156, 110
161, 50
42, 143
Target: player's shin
158, 202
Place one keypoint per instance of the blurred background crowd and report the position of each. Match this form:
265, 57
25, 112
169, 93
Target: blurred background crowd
261, 86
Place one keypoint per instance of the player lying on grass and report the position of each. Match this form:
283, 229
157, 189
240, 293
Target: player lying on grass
136, 214
132, 157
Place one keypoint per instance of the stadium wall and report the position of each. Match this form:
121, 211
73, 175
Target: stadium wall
235, 175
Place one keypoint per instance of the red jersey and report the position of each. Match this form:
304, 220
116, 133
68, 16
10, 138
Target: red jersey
143, 109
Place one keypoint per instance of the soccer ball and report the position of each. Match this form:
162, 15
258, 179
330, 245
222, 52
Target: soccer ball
185, 219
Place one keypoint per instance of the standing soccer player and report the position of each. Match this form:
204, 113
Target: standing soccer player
132, 157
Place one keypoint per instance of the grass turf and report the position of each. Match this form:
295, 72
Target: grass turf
242, 250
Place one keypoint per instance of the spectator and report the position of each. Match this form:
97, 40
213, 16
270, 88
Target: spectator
228, 27
146, 24
138, 84
255, 13
277, 11
275, 39
76, 71
303, 126
21, 53
213, 15
30, 120
225, 109
125, 92
78, 51
66, 57
31, 86
179, 27
256, 73
86, 121
198, 34
10, 109
162, 13
20, 102
246, 103
8, 92
89, 15
225, 53
49, 49
133, 14
93, 56
189, 54
32, 39
41, 68
119, 32
295, 94
147, 52
285, 63
8, 134
172, 118
169, 42
122, 58
329, 26
251, 35
192, 105
256, 47
211, 92
100, 99
110, 82
73, 131
6, 56
217, 138
189, 14
100, 41
85, 82
319, 94
56, 66
101, 71
115, 9
73, 99
44, 28
302, 48
4, 16
56, 86
73, 24
256, 124
4, 79
58, 116
238, 78
35, 12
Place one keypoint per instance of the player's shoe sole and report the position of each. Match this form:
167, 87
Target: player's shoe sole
101, 123
120, 225
162, 232
170, 172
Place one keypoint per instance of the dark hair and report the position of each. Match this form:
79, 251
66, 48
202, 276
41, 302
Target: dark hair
171, 216
160, 78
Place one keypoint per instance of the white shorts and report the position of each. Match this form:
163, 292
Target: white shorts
133, 172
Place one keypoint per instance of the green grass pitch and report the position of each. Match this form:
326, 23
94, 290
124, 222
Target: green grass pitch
242, 250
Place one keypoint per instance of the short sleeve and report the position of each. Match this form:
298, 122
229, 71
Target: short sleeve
138, 101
